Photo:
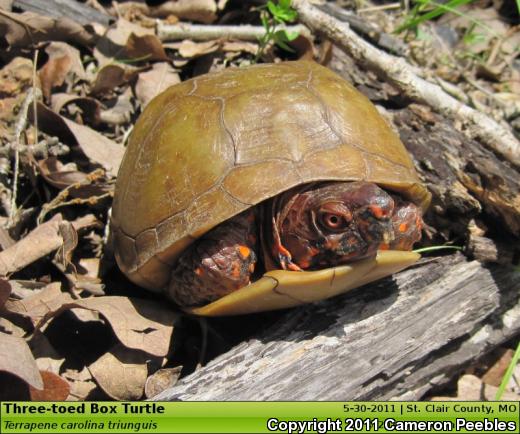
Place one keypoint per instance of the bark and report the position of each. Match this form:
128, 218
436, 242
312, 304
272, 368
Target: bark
396, 339
76, 11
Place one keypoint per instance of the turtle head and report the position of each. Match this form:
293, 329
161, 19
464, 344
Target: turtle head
337, 223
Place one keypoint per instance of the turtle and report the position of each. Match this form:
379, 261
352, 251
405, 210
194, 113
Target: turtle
264, 187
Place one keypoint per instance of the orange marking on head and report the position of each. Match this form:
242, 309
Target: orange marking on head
199, 271
293, 267
313, 251
304, 264
384, 246
377, 211
244, 251
403, 227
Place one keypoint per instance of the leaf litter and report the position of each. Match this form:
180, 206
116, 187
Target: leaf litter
71, 326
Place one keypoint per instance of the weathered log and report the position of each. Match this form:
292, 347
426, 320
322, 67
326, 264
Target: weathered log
76, 11
418, 330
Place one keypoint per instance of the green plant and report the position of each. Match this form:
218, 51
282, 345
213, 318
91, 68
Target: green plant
422, 12
273, 15
508, 374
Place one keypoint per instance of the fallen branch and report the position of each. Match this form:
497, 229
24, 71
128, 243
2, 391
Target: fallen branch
402, 75
196, 32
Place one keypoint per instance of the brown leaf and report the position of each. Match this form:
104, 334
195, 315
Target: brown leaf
121, 373
121, 110
22, 30
113, 43
495, 373
40, 304
63, 60
98, 148
16, 358
140, 324
38, 243
55, 173
81, 384
9, 328
161, 380
16, 76
5, 291
190, 49
70, 242
110, 76
153, 82
145, 47
88, 108
240, 46
55, 388
46, 356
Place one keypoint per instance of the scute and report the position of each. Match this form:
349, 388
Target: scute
212, 146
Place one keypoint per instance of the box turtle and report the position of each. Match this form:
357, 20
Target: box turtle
262, 188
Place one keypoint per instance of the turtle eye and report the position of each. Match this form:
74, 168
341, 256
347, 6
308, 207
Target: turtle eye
333, 222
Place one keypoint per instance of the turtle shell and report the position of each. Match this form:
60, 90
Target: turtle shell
208, 148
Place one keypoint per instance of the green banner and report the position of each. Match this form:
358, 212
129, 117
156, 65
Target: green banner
259, 417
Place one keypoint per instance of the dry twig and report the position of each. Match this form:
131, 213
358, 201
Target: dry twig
196, 32
402, 75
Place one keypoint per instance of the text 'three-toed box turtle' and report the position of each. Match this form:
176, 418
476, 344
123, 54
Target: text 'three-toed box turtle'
262, 188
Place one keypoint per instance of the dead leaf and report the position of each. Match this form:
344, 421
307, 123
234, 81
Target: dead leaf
11, 329
145, 47
25, 288
98, 148
70, 242
27, 28
113, 43
240, 47
55, 388
110, 76
38, 305
121, 111
139, 324
85, 107
46, 356
190, 49
153, 82
495, 373
161, 380
121, 373
57, 175
16, 359
5, 291
81, 384
16, 76
63, 60
38, 243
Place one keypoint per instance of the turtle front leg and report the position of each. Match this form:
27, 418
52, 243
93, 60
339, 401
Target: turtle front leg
221, 261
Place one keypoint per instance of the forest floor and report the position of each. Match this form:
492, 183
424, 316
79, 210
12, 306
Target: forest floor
73, 82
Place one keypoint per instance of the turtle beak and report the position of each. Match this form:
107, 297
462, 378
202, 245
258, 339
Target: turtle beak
279, 289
